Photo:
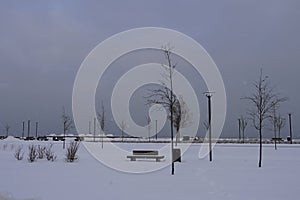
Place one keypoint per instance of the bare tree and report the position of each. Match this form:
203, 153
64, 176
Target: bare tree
165, 95
181, 117
273, 120
243, 124
67, 124
264, 99
123, 127
101, 117
149, 126
7, 127
280, 123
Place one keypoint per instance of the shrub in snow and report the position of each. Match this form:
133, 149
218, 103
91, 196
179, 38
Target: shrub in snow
32, 155
49, 153
19, 153
72, 151
40, 152
4, 147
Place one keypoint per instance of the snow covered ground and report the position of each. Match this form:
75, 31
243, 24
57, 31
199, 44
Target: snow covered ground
233, 174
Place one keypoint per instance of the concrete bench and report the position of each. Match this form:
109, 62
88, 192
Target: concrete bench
145, 154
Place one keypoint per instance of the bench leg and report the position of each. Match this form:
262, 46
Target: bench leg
132, 159
157, 159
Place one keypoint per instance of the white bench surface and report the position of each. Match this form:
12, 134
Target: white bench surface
156, 157
145, 156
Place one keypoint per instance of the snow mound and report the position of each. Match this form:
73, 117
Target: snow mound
11, 139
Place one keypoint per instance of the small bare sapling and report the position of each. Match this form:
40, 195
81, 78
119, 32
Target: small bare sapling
19, 153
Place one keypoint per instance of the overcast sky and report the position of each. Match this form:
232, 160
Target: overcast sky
42, 44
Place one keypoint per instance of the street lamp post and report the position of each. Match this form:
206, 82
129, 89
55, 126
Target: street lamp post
209, 95
94, 129
23, 130
28, 128
239, 128
36, 129
290, 123
156, 129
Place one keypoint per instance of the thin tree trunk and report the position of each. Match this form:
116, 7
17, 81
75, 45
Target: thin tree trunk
275, 121
172, 144
275, 141
64, 142
260, 148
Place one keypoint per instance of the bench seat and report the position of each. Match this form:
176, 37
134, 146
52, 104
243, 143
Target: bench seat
156, 157
145, 152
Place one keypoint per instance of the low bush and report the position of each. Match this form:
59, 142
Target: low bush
50, 156
72, 151
19, 153
4, 147
32, 154
40, 152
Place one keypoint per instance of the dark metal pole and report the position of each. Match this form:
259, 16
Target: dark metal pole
239, 128
23, 131
290, 122
89, 127
156, 129
94, 129
28, 130
149, 129
209, 123
36, 129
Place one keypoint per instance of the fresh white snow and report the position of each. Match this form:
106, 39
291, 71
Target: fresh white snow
233, 174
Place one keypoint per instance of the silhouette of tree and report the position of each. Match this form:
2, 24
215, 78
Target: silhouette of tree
67, 124
263, 100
